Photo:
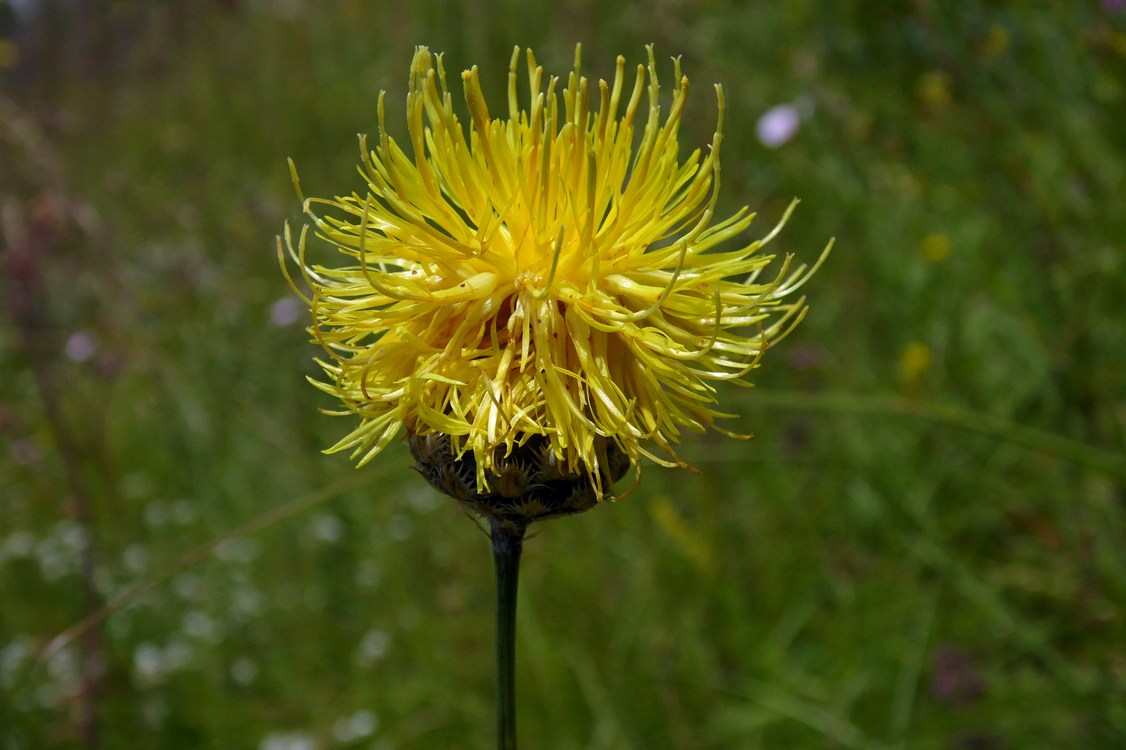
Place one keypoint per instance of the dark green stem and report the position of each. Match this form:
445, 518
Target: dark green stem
508, 542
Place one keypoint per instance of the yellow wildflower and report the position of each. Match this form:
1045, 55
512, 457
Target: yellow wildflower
936, 247
996, 42
540, 281
935, 89
914, 362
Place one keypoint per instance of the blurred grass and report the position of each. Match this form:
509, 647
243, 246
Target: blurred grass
922, 548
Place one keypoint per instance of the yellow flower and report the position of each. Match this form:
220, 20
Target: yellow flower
936, 247
914, 362
538, 280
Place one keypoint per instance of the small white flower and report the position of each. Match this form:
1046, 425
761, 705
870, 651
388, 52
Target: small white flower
243, 670
355, 727
778, 125
80, 346
372, 647
288, 741
327, 528
285, 312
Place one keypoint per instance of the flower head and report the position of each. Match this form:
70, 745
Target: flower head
551, 288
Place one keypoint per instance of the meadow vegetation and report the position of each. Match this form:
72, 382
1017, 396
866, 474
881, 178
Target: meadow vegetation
921, 548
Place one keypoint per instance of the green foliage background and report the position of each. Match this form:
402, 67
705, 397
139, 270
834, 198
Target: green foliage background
922, 547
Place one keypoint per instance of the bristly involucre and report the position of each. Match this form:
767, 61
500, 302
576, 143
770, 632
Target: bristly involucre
538, 275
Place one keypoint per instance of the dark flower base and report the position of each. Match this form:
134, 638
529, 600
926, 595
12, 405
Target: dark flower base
526, 485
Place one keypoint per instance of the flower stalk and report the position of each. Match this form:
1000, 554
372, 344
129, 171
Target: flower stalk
508, 543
